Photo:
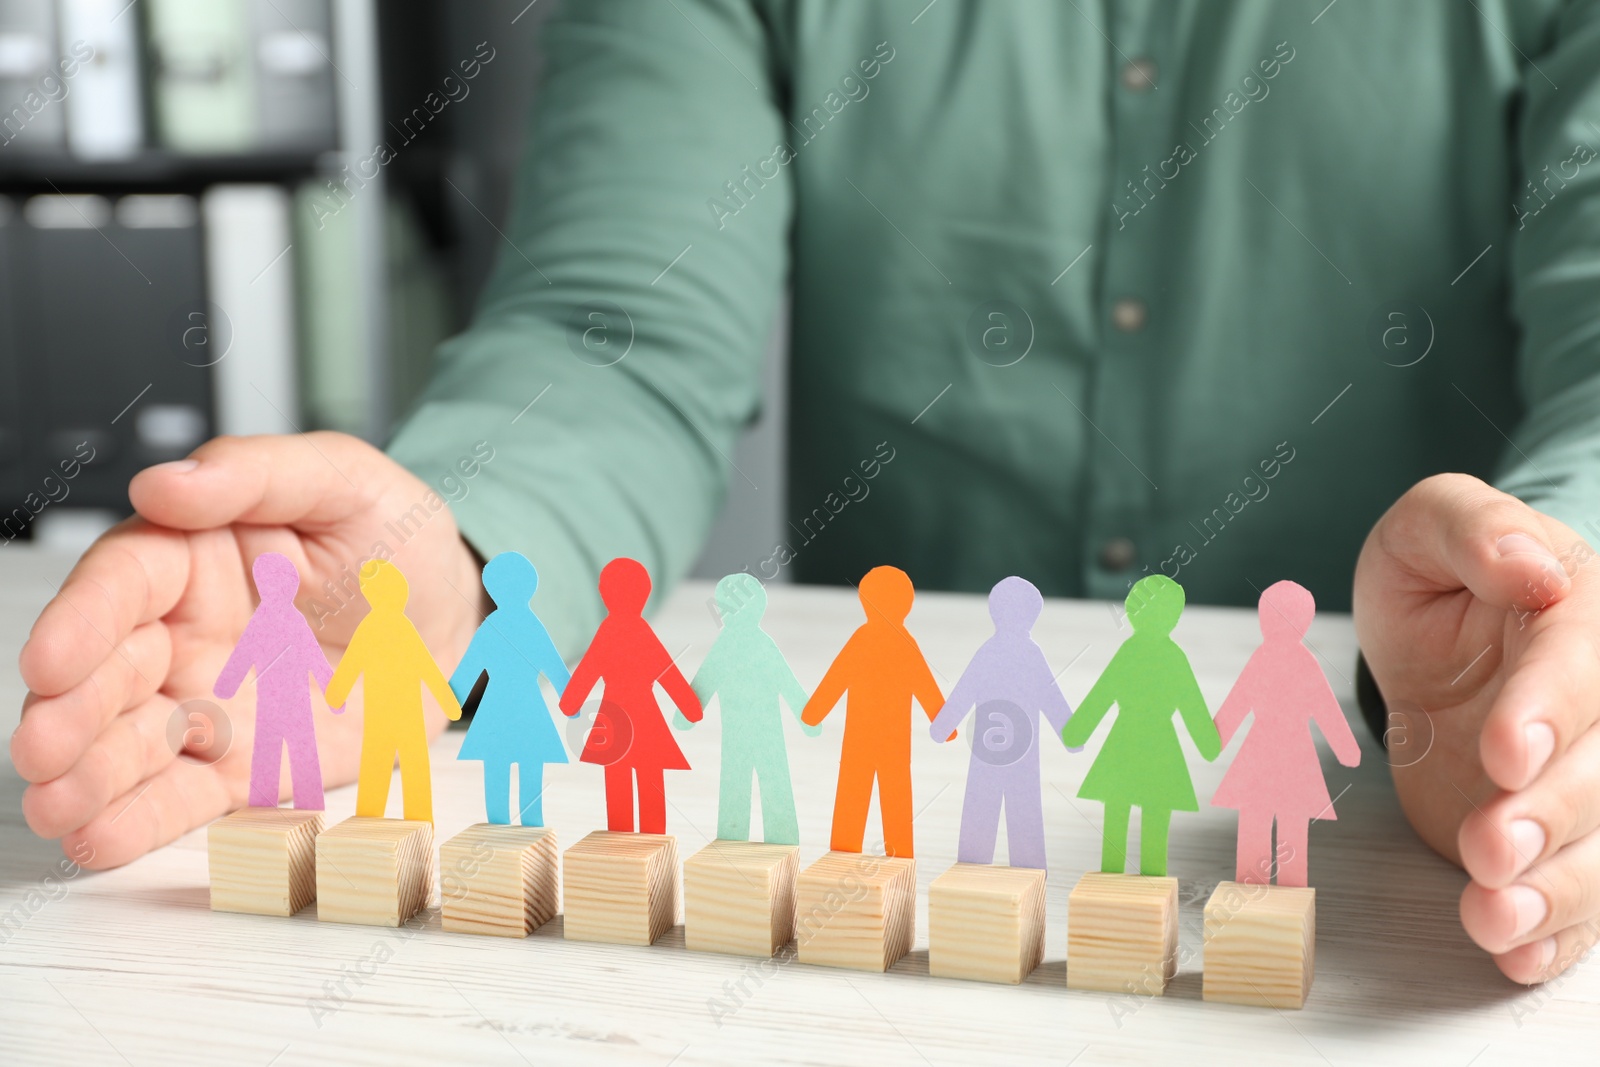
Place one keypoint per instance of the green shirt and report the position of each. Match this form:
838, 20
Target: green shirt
1081, 291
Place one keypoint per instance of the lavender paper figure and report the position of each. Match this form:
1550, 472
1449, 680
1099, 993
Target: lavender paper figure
279, 646
1011, 685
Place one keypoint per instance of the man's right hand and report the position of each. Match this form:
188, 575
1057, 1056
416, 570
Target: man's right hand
150, 613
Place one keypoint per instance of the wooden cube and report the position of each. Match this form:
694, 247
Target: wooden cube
1122, 933
621, 887
499, 880
1261, 944
986, 922
376, 872
263, 861
856, 911
738, 898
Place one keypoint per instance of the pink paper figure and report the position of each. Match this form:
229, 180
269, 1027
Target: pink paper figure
1277, 775
1010, 684
278, 644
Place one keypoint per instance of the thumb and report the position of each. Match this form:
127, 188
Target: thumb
270, 480
1452, 531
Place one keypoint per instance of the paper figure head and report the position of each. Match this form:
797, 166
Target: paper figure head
741, 600
1014, 604
886, 594
1286, 611
1154, 604
624, 586
510, 579
383, 585
276, 578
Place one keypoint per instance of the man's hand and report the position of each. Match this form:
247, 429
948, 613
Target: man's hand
1480, 619
151, 612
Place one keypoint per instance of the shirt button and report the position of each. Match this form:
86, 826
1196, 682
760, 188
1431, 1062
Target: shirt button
1139, 75
1128, 315
1118, 554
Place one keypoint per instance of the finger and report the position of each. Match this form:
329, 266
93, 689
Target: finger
1551, 698
1562, 891
1454, 531
56, 731
1517, 830
132, 575
128, 751
1543, 960
155, 812
272, 480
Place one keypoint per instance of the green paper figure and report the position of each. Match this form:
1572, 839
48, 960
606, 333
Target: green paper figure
1141, 764
745, 670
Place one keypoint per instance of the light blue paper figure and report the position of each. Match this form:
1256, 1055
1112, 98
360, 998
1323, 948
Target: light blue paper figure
1010, 685
512, 724
748, 674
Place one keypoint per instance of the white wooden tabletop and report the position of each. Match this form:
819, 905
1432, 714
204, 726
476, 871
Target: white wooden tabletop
130, 966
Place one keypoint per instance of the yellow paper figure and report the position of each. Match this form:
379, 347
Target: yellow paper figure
387, 653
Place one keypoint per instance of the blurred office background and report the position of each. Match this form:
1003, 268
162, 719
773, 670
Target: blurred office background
200, 233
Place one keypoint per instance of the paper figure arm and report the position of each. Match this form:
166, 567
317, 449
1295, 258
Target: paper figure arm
550, 661
321, 669
705, 683
679, 691
956, 705
434, 679
1052, 701
473, 662
239, 663
585, 676
1097, 704
1335, 727
1192, 707
351, 664
925, 689
832, 687
1240, 700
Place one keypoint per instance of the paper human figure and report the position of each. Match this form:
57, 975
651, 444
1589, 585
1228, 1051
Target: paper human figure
1141, 764
388, 655
882, 670
1277, 776
1010, 685
748, 675
511, 725
279, 646
630, 738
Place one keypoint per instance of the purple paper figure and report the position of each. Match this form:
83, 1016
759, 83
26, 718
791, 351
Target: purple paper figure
1277, 775
1011, 685
278, 644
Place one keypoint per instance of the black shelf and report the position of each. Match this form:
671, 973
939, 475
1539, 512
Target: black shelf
52, 171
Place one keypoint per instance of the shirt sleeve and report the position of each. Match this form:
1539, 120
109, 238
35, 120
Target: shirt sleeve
1553, 460
615, 353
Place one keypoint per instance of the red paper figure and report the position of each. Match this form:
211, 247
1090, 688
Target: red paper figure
1277, 775
629, 737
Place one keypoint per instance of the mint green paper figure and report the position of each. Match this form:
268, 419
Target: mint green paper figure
1141, 764
748, 674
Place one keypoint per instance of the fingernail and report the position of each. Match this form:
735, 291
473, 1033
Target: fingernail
1540, 738
1527, 837
1531, 909
1518, 544
1547, 954
177, 466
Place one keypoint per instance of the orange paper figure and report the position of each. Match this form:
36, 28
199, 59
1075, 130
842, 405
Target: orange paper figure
1277, 776
388, 655
882, 669
629, 737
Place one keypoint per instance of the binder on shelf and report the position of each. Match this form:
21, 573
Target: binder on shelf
32, 115
141, 260
292, 64
105, 118
337, 385
201, 75
246, 333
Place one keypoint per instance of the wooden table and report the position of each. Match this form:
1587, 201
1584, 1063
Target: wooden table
130, 966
